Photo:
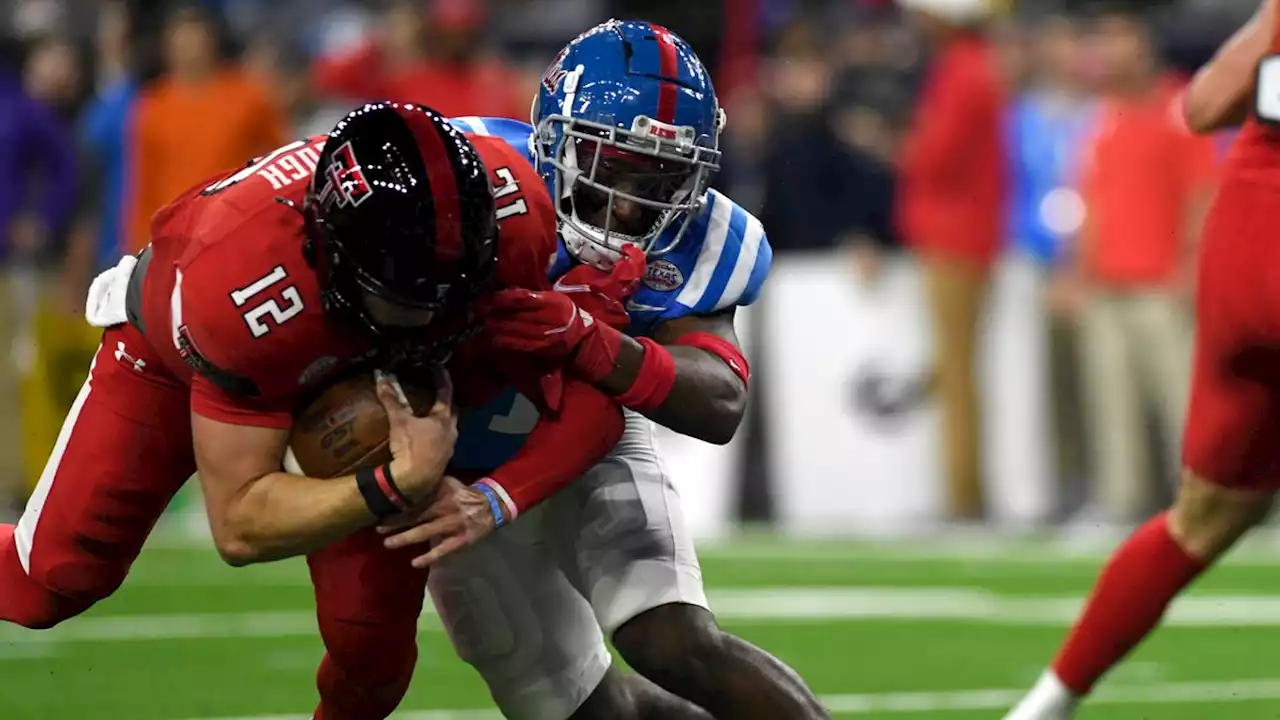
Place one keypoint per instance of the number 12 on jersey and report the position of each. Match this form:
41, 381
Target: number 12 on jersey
255, 317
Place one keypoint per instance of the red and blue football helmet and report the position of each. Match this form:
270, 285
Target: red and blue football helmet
627, 134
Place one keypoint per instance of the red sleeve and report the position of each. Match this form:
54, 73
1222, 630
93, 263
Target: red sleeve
562, 447
586, 424
230, 383
354, 76
209, 400
251, 349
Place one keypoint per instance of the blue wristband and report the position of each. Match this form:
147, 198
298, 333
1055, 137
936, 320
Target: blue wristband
495, 505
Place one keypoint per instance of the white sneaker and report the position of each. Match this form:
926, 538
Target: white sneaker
1048, 700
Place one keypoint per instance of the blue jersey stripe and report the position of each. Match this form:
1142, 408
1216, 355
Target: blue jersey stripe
764, 259
702, 248
724, 267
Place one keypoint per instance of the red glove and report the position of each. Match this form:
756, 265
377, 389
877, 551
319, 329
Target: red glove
578, 324
550, 326
601, 293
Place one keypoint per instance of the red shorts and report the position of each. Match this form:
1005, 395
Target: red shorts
1232, 436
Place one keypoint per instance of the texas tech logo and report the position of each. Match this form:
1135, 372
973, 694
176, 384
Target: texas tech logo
345, 184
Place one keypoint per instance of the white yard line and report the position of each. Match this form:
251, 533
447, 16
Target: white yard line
763, 605
920, 702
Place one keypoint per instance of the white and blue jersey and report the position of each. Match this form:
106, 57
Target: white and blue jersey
721, 262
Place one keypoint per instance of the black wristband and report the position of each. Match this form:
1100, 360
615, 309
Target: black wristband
380, 492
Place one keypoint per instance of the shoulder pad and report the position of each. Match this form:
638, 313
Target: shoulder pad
518, 135
732, 257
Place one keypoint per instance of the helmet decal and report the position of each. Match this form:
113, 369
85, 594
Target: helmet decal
345, 184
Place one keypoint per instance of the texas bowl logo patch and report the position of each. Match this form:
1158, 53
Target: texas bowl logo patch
663, 276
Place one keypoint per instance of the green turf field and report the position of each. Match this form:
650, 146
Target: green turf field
907, 631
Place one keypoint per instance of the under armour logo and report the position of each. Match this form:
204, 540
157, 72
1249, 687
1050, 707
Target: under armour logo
123, 356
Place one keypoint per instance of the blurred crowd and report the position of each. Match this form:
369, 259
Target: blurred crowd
966, 133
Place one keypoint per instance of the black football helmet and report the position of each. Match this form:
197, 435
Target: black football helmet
400, 208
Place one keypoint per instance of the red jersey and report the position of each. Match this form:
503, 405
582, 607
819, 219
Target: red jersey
952, 168
229, 293
1255, 153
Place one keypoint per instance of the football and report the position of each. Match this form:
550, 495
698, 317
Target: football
345, 429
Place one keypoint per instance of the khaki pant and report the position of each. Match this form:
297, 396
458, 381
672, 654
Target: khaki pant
44, 357
63, 346
957, 291
1135, 355
1067, 406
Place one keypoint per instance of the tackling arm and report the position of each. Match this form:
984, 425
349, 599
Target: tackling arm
708, 396
562, 447
1220, 93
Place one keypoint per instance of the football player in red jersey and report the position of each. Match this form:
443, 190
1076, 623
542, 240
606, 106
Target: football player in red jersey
1231, 442
365, 248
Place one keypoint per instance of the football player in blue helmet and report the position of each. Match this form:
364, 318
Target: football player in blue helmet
629, 143
626, 131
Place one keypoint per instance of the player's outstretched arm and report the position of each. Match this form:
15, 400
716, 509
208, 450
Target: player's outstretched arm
258, 513
691, 376
1221, 92
700, 392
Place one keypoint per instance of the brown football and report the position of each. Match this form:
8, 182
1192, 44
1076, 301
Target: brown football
345, 429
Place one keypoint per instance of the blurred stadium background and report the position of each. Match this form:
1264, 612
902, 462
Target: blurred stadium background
947, 433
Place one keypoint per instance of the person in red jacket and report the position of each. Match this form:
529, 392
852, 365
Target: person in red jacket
950, 206
430, 55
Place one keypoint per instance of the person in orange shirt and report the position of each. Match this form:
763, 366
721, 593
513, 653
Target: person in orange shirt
199, 97
951, 203
1146, 182
431, 55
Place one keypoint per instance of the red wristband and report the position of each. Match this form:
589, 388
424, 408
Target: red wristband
597, 355
654, 380
721, 348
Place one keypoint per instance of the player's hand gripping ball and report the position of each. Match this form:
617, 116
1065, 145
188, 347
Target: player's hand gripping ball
346, 428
